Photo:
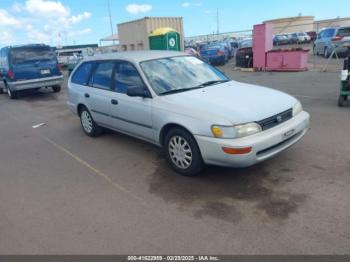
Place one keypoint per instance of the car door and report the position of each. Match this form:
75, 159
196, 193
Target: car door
98, 97
131, 114
319, 42
329, 34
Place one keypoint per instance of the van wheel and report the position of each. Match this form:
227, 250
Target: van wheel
10, 93
182, 152
341, 100
1, 90
56, 89
88, 124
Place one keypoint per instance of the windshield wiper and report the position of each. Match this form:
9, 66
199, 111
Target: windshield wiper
212, 82
208, 83
174, 91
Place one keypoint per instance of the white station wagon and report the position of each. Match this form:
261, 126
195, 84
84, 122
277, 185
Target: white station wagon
193, 111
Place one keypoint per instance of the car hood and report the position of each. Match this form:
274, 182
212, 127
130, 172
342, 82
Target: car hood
233, 101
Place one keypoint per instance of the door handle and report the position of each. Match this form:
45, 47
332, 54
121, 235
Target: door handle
114, 102
87, 95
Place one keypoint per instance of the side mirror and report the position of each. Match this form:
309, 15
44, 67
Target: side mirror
137, 91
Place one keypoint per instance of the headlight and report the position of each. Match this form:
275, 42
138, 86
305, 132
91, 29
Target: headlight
247, 129
297, 108
235, 131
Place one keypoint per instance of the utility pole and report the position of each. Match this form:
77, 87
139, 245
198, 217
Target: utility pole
217, 22
110, 18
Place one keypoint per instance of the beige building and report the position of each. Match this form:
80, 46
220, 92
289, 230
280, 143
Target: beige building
318, 25
133, 35
304, 24
292, 24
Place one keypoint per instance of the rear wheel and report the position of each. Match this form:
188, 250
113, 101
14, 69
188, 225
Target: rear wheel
182, 152
12, 94
56, 89
1, 90
88, 124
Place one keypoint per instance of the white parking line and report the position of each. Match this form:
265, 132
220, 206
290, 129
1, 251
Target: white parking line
95, 170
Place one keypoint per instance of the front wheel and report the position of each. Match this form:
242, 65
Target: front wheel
56, 89
326, 52
341, 100
88, 124
182, 152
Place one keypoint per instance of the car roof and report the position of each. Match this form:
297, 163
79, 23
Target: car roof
136, 56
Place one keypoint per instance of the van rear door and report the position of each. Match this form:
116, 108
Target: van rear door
33, 62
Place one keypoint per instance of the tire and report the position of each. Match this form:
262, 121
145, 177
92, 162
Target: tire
341, 100
56, 89
10, 93
326, 52
1, 90
88, 124
182, 152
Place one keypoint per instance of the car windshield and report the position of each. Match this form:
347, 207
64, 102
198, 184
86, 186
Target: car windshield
22, 55
181, 73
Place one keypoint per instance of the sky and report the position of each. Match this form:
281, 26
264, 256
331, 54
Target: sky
67, 22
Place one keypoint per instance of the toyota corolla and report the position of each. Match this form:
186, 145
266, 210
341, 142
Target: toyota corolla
193, 111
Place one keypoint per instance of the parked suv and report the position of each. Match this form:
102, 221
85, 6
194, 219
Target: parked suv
189, 108
330, 38
28, 67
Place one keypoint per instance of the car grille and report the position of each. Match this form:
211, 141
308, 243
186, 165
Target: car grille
276, 119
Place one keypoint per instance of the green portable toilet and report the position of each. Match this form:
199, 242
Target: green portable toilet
165, 38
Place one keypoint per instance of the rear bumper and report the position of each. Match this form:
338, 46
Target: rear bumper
35, 83
264, 145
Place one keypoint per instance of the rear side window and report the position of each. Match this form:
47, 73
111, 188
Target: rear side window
328, 33
344, 32
102, 77
21, 55
81, 75
126, 76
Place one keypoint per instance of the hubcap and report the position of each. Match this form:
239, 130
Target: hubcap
86, 121
180, 152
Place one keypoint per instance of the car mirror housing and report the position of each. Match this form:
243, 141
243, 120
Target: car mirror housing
137, 91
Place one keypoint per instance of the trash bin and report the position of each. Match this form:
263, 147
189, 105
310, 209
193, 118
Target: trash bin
165, 38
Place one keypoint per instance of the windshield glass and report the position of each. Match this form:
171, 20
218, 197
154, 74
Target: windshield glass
22, 55
179, 73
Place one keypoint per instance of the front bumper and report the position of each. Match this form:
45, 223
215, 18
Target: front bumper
264, 145
35, 83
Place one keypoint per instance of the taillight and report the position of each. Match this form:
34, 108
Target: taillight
59, 67
219, 53
337, 38
10, 74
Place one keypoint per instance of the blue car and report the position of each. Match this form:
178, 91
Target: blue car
28, 67
214, 54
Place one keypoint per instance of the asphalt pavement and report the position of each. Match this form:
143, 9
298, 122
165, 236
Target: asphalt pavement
65, 193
